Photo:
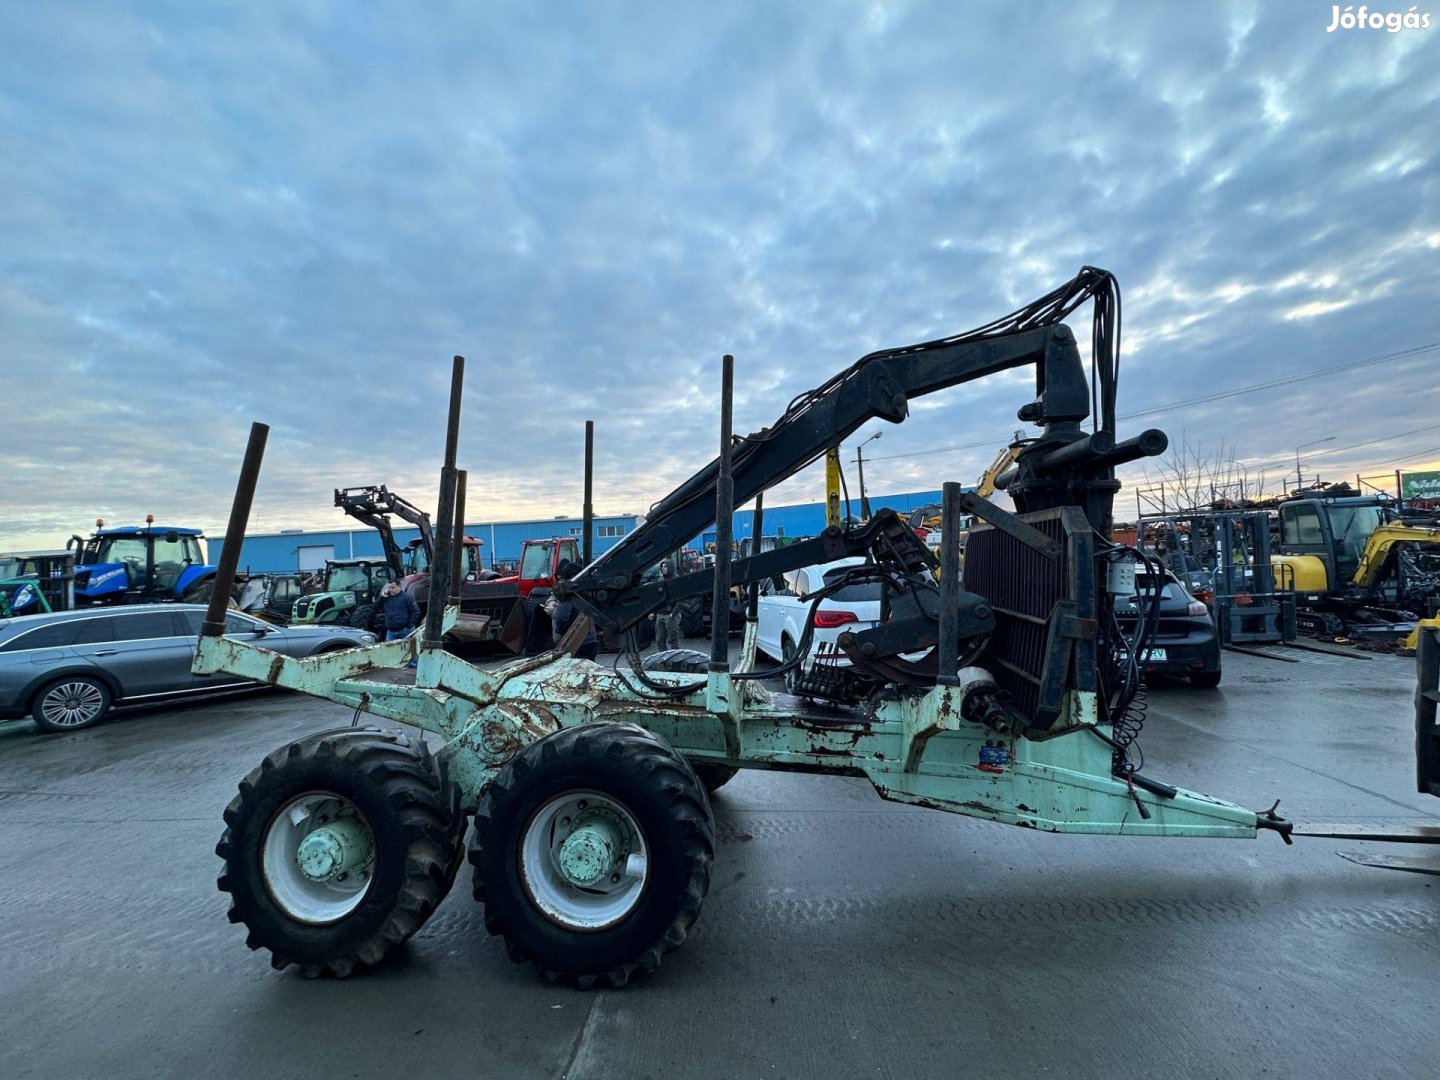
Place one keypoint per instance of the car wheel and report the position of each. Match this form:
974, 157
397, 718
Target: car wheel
362, 617
1205, 679
73, 703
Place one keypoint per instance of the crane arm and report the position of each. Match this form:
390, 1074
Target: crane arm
372, 505
1382, 542
1061, 467
1003, 460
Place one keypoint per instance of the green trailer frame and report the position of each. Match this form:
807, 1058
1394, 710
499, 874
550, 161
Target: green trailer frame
915, 749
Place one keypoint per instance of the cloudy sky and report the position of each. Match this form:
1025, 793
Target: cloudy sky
298, 212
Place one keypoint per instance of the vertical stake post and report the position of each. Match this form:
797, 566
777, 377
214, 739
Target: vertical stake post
445, 518
456, 576
214, 624
947, 653
724, 513
757, 533
587, 529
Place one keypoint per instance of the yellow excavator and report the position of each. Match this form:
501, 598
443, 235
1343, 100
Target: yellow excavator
928, 517
1342, 557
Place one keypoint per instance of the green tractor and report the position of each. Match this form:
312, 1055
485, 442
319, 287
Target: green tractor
349, 594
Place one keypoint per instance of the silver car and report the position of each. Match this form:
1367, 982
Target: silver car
68, 669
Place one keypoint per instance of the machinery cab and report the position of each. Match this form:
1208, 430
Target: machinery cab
416, 561
140, 563
348, 593
35, 582
540, 561
274, 595
1323, 539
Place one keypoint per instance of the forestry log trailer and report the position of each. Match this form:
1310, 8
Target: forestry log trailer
1005, 695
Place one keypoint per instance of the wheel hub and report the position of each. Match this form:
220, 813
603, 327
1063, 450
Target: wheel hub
317, 857
333, 850
589, 853
584, 861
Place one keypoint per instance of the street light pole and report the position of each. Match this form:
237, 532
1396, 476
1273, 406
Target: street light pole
860, 470
1300, 480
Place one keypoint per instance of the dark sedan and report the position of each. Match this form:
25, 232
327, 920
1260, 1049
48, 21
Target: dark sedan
68, 669
1185, 643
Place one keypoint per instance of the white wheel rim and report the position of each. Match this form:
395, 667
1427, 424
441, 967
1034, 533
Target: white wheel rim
72, 704
298, 896
592, 908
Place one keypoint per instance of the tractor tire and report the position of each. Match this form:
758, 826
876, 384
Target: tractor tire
73, 703
200, 594
395, 794
693, 662
645, 894
362, 617
692, 616
644, 632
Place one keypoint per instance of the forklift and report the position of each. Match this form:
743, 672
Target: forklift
580, 793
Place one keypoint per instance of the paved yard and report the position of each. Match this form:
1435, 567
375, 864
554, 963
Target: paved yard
843, 936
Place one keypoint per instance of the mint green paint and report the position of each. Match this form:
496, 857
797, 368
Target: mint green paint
338, 848
916, 749
591, 853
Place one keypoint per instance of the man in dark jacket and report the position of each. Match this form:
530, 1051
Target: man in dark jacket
563, 613
402, 613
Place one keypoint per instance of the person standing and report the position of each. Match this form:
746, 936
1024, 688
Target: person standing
563, 613
667, 616
402, 613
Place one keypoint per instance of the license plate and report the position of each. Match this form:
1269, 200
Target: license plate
1155, 655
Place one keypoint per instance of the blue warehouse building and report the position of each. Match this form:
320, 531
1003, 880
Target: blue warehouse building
305, 549
808, 519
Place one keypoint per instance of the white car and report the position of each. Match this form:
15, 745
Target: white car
783, 611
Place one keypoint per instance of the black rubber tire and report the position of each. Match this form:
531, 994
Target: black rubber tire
688, 661
414, 812
692, 662
199, 594
692, 616
1207, 680
362, 617
660, 790
37, 707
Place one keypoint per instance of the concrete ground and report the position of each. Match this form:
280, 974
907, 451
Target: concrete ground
843, 936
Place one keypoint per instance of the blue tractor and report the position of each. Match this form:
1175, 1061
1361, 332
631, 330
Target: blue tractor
141, 564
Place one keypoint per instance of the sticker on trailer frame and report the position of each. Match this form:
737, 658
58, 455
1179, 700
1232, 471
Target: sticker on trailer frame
994, 758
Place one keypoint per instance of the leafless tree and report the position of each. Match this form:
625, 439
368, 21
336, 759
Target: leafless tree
1191, 477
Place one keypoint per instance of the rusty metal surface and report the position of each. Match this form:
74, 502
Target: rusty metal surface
914, 745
